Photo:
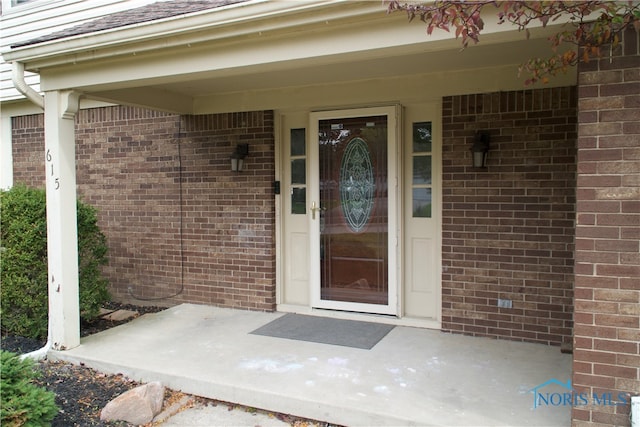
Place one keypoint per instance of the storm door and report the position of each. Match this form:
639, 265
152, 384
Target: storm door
353, 210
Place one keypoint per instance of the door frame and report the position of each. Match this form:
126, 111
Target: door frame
394, 201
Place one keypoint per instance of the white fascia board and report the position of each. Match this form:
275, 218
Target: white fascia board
229, 21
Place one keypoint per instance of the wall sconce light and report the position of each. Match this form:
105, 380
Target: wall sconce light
480, 148
237, 157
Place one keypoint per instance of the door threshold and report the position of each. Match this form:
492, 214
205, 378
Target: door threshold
415, 322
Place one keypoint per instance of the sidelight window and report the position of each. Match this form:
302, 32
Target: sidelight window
298, 157
422, 169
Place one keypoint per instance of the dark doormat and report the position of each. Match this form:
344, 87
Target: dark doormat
347, 333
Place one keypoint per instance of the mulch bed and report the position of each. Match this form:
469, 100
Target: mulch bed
81, 392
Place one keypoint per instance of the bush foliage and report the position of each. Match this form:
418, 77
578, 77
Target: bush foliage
23, 402
23, 270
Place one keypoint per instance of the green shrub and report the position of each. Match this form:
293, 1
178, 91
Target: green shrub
23, 269
23, 403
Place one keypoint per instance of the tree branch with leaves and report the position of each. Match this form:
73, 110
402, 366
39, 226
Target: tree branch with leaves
588, 26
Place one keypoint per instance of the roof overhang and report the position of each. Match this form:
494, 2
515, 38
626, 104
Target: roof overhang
234, 21
259, 47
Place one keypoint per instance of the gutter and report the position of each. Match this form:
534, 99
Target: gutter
17, 76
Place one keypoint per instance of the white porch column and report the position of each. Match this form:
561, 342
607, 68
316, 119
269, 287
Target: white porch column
6, 153
62, 231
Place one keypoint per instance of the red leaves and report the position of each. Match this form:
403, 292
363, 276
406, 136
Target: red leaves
544, 19
588, 34
463, 16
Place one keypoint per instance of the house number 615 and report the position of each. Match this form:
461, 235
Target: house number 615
56, 181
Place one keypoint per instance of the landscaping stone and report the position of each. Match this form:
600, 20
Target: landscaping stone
120, 315
105, 311
136, 406
183, 403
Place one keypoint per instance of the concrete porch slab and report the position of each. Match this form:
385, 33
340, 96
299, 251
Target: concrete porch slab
411, 377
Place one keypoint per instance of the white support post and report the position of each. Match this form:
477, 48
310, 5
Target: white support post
62, 230
6, 153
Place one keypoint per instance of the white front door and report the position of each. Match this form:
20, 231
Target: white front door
353, 207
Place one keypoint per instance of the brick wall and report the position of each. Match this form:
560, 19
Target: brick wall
508, 231
607, 288
28, 150
173, 212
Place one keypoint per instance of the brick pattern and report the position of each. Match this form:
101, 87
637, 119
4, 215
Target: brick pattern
173, 212
607, 288
508, 231
28, 150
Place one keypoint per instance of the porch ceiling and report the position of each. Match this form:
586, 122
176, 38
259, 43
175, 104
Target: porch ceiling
202, 92
349, 68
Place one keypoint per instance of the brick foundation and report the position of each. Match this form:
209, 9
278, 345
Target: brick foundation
508, 231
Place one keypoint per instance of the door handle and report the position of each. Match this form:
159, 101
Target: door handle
315, 208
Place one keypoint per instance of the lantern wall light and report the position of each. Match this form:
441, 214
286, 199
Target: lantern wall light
237, 157
480, 149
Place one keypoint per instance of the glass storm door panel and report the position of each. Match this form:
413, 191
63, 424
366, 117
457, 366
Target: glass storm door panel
350, 214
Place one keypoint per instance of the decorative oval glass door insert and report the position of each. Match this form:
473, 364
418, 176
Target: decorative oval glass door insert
357, 184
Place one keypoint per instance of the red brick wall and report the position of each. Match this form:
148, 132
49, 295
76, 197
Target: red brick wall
508, 231
171, 208
607, 294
